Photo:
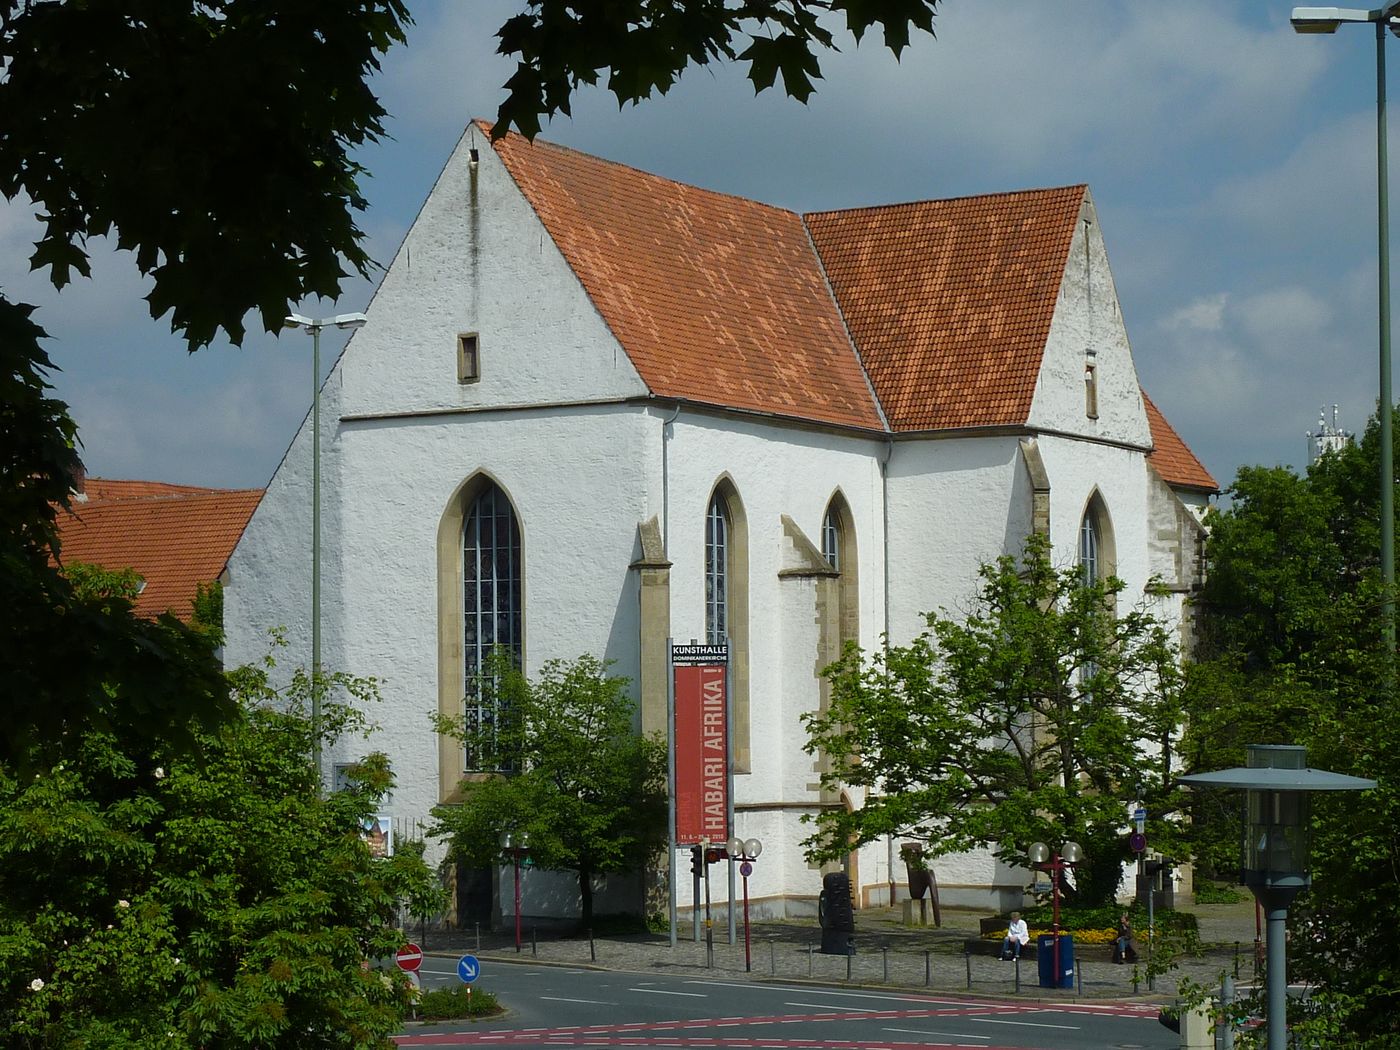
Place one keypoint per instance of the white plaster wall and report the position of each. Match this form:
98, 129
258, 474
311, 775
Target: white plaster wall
954, 504
775, 470
1088, 317
574, 477
478, 259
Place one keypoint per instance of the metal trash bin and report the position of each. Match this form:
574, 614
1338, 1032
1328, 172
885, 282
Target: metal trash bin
1045, 960
836, 916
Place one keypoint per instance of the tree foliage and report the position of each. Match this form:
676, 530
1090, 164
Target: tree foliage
645, 45
244, 117
75, 658
586, 788
151, 898
1292, 653
1037, 716
212, 138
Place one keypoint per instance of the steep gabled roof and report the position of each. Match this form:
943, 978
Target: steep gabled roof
725, 301
174, 536
716, 299
1170, 457
950, 302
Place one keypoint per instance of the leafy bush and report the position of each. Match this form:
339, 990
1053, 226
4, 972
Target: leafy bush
1218, 893
456, 1002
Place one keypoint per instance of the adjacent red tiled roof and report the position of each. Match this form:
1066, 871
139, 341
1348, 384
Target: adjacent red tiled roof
174, 536
1170, 457
949, 302
716, 299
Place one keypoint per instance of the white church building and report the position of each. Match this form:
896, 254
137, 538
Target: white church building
593, 408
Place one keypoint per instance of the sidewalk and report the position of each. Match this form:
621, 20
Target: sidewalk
887, 953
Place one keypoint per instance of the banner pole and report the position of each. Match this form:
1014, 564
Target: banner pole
671, 783
729, 772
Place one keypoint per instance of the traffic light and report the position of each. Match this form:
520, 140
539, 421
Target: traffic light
714, 854
697, 864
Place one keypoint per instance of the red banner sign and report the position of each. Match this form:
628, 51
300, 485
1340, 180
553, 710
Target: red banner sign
702, 746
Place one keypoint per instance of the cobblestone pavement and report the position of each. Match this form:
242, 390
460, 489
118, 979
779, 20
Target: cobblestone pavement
887, 953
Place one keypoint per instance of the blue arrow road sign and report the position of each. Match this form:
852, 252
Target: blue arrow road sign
468, 969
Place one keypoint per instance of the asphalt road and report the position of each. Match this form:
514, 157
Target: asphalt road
555, 1006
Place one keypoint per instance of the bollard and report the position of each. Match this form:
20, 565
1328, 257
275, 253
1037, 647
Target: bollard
1135, 980
849, 956
1079, 978
1017, 964
773, 956
534, 943
968, 956
592, 951
810, 949
477, 926
928, 968
1236, 973
1226, 1028
885, 955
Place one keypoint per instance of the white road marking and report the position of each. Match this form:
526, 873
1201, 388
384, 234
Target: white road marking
663, 991
950, 1035
1024, 1024
561, 999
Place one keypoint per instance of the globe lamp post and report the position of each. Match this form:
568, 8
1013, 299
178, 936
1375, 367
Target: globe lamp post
1040, 856
1274, 860
746, 851
516, 846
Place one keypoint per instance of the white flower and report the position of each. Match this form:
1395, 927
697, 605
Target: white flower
123, 904
160, 772
36, 985
176, 960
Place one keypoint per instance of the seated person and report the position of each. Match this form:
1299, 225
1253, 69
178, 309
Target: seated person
1017, 937
1123, 950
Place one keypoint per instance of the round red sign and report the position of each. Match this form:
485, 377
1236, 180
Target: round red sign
409, 957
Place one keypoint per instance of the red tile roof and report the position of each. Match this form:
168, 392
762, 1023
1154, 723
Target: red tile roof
950, 302
174, 536
716, 299
1170, 457
737, 304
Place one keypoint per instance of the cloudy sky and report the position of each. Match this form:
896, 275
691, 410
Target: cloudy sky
1232, 162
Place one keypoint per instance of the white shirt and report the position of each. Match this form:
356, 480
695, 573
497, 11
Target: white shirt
1017, 931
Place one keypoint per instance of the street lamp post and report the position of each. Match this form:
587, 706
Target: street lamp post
1326, 20
314, 326
517, 848
1277, 783
1040, 856
746, 851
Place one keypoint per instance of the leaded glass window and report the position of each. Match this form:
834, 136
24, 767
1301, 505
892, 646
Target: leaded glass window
831, 537
491, 606
1090, 548
717, 572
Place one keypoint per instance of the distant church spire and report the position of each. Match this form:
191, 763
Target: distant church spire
1328, 437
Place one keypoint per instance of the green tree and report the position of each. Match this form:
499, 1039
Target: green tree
1036, 716
75, 657
152, 898
1292, 653
586, 788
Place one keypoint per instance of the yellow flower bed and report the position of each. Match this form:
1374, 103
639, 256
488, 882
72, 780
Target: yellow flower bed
1082, 936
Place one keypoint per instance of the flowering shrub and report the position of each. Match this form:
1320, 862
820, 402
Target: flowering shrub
162, 899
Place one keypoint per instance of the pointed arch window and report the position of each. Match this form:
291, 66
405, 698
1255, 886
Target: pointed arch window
1090, 549
717, 571
831, 536
492, 610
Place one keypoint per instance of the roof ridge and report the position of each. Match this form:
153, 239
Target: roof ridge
1081, 187
708, 191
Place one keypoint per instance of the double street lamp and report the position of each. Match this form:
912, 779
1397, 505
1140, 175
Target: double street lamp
1327, 20
516, 846
314, 326
1041, 857
746, 851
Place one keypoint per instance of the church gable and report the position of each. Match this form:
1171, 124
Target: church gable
479, 309
1087, 384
